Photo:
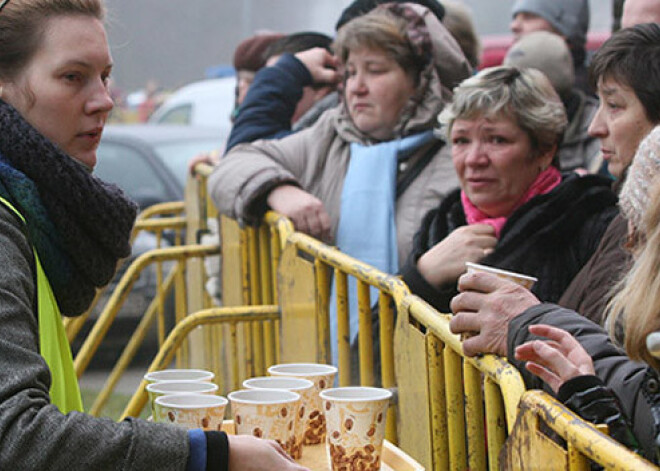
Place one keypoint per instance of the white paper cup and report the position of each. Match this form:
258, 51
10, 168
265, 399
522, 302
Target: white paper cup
266, 413
356, 418
179, 375
167, 388
205, 411
523, 280
323, 377
304, 387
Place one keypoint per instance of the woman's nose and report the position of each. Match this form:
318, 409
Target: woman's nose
357, 84
476, 155
597, 127
100, 101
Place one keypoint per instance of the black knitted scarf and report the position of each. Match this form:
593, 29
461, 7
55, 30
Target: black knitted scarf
79, 225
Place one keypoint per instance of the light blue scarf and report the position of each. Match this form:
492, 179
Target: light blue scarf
367, 227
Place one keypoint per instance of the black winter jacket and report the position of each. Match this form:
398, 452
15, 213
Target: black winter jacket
635, 384
550, 237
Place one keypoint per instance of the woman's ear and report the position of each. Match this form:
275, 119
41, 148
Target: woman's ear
546, 156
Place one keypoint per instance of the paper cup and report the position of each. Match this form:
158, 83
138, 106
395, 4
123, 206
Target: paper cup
355, 417
304, 387
323, 376
523, 280
179, 375
266, 413
205, 411
167, 388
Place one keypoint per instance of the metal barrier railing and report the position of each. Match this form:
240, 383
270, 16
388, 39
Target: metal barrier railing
232, 317
176, 278
530, 445
454, 412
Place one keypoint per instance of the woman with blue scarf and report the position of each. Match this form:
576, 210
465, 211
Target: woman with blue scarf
366, 173
62, 232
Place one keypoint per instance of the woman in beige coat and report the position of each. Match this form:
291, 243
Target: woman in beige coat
366, 173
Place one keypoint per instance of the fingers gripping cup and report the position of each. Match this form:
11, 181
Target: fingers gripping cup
323, 376
205, 411
355, 417
301, 386
523, 280
266, 413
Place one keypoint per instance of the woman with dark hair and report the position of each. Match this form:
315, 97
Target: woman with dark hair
62, 232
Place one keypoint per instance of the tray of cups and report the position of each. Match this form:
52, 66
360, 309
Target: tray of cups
321, 427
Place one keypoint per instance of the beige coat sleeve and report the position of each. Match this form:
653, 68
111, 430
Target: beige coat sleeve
250, 171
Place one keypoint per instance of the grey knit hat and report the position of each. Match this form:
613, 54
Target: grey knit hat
569, 17
643, 172
548, 53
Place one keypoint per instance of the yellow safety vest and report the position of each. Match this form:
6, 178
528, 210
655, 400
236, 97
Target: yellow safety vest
53, 343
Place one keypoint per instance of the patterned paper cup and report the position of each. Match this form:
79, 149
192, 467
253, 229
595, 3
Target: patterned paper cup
167, 388
205, 411
266, 413
523, 280
356, 426
304, 387
323, 376
179, 375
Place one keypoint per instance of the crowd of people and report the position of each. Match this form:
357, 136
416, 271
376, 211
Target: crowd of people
386, 142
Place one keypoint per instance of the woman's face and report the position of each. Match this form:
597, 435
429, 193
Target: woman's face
620, 123
493, 160
376, 91
63, 90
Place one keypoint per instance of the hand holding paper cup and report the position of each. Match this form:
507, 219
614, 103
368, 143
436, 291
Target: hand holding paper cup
205, 411
355, 417
523, 280
266, 413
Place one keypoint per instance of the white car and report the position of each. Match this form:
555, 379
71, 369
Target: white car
207, 103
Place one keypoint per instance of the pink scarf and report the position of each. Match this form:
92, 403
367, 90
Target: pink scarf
544, 183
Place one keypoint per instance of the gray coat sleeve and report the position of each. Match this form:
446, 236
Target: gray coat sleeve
33, 432
631, 381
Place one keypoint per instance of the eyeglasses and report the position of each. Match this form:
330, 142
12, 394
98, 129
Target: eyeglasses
3, 3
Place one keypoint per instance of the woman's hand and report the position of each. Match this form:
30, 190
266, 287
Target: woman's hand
445, 261
557, 359
484, 308
247, 453
305, 211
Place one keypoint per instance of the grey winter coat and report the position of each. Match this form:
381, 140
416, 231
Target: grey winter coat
34, 435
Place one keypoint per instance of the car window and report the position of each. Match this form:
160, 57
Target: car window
130, 170
176, 155
178, 115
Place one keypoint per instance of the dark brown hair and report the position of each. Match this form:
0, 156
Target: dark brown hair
22, 27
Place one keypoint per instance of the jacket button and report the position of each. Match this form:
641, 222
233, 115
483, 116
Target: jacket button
652, 385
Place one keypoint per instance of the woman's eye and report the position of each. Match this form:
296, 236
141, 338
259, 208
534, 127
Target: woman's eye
72, 77
612, 106
459, 140
498, 139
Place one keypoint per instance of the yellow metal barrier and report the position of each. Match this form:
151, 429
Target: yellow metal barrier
230, 316
530, 447
95, 337
454, 412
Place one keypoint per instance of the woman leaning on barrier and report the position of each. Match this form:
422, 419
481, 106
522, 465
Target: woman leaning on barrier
514, 210
364, 175
62, 231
